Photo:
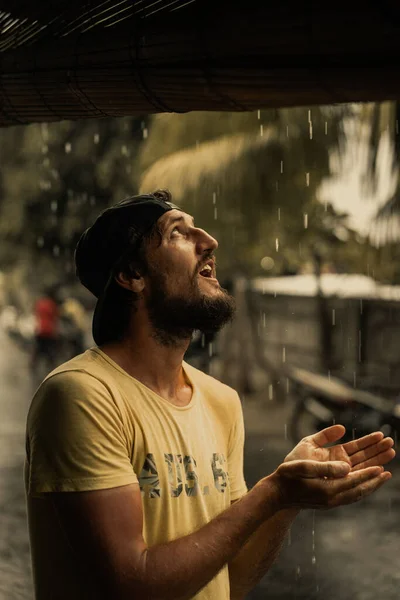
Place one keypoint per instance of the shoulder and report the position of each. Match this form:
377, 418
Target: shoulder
86, 371
73, 388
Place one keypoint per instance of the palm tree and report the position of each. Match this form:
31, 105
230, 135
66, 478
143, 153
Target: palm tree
375, 122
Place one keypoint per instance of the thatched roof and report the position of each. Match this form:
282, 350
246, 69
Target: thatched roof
71, 59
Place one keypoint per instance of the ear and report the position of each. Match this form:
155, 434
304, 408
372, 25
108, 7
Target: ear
133, 282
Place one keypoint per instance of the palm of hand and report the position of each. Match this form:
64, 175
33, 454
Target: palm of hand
307, 449
369, 451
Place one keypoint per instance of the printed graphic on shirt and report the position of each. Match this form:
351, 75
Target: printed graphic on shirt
148, 478
182, 476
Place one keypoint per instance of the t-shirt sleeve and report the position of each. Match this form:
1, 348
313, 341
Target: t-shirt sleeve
237, 482
75, 437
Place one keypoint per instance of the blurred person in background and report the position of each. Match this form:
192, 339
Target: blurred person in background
46, 337
134, 459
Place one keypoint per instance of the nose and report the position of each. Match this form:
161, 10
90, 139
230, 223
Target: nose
205, 241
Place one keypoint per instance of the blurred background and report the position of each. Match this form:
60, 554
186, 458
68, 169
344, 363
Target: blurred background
305, 204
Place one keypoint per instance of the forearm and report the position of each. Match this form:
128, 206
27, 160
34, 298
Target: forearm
179, 569
252, 562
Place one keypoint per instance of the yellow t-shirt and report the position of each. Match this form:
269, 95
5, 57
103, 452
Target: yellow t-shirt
92, 426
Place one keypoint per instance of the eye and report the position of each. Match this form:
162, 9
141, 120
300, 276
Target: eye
176, 231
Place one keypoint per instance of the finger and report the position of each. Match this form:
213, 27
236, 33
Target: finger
363, 442
355, 479
313, 469
371, 451
380, 459
328, 435
362, 491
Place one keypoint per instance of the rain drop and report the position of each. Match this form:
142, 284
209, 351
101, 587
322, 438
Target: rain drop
44, 130
40, 242
68, 148
96, 138
307, 179
305, 221
277, 244
145, 133
56, 250
267, 263
261, 130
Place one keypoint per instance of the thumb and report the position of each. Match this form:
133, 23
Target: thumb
328, 435
314, 469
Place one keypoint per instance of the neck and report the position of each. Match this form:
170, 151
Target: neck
155, 364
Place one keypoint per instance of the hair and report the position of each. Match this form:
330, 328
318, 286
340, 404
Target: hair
135, 261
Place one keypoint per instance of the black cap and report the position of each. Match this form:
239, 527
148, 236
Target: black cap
115, 233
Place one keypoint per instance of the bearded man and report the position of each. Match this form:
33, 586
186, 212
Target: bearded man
134, 465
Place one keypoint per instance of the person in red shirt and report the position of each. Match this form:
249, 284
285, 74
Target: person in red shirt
46, 340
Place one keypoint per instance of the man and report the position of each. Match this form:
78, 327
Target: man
134, 468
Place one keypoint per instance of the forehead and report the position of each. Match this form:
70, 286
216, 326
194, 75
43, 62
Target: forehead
173, 215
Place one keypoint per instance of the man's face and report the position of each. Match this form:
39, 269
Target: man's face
182, 292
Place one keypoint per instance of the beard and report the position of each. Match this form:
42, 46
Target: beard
175, 317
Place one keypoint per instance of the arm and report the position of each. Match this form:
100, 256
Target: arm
104, 529
261, 550
256, 557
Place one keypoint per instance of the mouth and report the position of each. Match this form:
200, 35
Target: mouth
208, 271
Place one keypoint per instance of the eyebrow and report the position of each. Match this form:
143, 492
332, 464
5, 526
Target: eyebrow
179, 220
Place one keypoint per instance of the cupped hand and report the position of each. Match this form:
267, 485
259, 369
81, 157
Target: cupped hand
324, 485
371, 450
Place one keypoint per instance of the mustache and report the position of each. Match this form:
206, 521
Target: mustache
208, 255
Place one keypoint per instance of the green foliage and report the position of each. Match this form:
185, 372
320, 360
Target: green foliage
54, 181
